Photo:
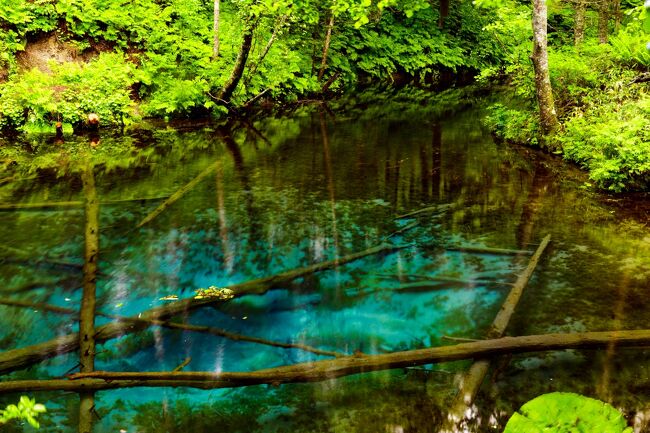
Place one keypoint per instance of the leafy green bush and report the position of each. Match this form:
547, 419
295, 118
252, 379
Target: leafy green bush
27, 409
513, 125
70, 93
613, 144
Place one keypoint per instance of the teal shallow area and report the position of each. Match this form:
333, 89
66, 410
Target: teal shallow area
291, 191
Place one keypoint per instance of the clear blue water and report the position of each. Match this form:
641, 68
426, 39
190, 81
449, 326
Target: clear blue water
290, 191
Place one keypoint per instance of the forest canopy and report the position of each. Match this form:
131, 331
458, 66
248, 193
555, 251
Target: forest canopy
124, 61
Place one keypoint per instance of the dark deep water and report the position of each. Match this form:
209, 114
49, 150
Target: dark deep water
282, 193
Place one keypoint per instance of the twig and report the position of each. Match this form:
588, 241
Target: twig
183, 364
458, 339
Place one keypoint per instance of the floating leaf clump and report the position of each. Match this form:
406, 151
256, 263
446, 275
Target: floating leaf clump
214, 292
565, 412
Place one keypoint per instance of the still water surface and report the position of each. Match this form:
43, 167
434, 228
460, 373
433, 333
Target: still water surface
282, 193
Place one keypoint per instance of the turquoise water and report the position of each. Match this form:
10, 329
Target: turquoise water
286, 192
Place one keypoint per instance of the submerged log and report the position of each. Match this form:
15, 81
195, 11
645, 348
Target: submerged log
404, 229
179, 194
71, 204
444, 279
17, 359
174, 325
41, 205
89, 299
442, 208
330, 369
473, 379
488, 250
41, 306
17, 256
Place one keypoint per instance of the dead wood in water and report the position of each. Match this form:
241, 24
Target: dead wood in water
488, 250
40, 306
71, 204
20, 256
89, 299
330, 369
473, 378
441, 208
219, 332
179, 194
17, 359
444, 279
402, 230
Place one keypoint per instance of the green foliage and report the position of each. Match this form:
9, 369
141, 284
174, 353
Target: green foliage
613, 144
563, 412
629, 45
513, 125
27, 409
70, 93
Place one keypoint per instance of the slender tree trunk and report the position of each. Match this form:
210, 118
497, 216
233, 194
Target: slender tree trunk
617, 14
266, 50
547, 113
87, 313
444, 11
326, 48
240, 64
215, 27
603, 21
579, 22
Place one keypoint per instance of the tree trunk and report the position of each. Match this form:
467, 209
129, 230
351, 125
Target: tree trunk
326, 48
215, 30
603, 21
444, 11
330, 369
579, 22
617, 15
87, 313
240, 64
547, 113
266, 50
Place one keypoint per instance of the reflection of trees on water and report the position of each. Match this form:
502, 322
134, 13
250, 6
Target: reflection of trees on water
269, 213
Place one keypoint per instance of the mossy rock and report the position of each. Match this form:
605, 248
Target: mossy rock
565, 412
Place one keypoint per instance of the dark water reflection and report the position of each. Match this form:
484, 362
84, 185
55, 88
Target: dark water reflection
283, 193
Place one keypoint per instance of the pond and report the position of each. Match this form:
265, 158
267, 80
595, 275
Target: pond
187, 208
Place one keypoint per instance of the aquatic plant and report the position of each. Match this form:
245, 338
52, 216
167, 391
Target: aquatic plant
565, 412
27, 409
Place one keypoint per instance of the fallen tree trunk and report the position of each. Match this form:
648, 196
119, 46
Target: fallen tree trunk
330, 369
473, 378
17, 359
